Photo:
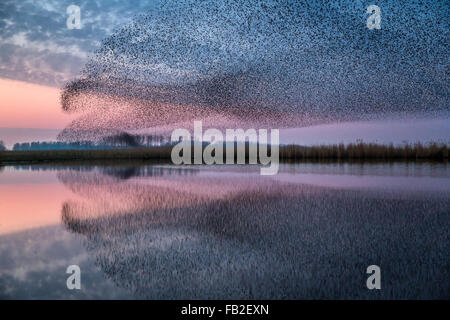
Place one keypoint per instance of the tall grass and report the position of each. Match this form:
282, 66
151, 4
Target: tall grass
73, 155
353, 151
366, 151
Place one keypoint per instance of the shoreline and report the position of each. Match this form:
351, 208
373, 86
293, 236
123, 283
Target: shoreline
357, 153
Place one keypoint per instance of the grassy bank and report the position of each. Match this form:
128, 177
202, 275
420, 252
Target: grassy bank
366, 151
351, 152
75, 155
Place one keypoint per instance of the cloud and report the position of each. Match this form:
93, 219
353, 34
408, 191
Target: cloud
36, 45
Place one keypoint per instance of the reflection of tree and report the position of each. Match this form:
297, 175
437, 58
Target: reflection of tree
117, 169
245, 236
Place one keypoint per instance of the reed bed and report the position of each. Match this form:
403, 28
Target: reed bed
366, 151
74, 155
339, 152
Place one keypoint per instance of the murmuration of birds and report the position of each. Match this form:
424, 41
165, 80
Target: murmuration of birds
262, 64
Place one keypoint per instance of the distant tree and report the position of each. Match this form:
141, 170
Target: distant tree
122, 140
2, 146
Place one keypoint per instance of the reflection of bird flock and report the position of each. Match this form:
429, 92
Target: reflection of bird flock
272, 64
238, 235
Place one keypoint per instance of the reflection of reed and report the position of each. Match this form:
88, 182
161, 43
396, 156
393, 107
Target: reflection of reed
240, 237
121, 169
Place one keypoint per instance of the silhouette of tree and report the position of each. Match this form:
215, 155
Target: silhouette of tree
122, 140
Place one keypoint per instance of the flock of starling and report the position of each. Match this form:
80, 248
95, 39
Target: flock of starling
263, 64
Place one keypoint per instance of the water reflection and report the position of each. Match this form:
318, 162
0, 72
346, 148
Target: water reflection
163, 232
143, 168
121, 169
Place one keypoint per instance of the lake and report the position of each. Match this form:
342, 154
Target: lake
158, 231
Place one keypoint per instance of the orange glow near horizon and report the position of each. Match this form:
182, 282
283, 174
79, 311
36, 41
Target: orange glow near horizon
27, 105
26, 206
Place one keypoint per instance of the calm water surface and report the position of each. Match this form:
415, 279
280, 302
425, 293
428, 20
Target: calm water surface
199, 232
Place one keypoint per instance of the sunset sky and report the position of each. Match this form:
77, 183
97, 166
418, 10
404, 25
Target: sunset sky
29, 105
30, 112
39, 54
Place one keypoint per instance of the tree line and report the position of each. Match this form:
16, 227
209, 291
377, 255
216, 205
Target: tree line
123, 140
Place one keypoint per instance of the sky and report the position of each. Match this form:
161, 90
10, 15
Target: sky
39, 54
402, 72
